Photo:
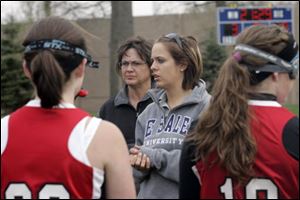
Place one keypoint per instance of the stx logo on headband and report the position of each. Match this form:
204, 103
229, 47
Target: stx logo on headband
61, 46
55, 44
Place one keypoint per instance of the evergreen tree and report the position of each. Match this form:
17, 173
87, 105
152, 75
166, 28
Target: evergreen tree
213, 57
16, 89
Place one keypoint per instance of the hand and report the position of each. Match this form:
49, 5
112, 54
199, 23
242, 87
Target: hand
135, 150
139, 160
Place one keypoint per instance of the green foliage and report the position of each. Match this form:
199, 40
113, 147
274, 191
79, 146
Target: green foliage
213, 58
16, 89
293, 108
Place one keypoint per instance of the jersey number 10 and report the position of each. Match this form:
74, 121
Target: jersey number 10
254, 186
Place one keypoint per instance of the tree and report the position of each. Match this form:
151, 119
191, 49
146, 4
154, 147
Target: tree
16, 89
121, 29
35, 10
213, 57
47, 8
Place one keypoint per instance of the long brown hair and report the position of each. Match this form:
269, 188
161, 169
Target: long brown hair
50, 69
224, 128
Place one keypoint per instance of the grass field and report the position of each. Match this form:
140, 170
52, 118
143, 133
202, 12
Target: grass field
293, 108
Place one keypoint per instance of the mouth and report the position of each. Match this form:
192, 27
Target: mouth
129, 77
156, 77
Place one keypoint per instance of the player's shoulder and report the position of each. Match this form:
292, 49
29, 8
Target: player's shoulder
109, 132
106, 125
108, 142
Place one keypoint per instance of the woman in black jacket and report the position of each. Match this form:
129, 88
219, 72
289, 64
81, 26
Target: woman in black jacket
133, 65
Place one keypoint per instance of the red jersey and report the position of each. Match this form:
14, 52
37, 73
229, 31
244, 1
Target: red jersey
276, 171
43, 154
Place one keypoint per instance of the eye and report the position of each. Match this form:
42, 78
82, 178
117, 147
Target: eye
136, 63
124, 63
160, 60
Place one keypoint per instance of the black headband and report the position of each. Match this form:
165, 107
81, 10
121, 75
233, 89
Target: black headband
277, 64
290, 51
61, 46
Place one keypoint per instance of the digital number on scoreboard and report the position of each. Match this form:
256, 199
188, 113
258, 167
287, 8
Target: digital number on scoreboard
232, 21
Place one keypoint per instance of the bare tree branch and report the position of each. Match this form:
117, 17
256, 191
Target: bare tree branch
34, 10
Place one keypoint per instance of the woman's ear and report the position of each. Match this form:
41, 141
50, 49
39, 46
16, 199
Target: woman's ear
26, 70
79, 71
182, 67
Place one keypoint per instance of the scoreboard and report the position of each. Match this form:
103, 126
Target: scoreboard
232, 21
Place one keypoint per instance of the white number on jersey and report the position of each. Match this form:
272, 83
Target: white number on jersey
17, 191
255, 185
49, 191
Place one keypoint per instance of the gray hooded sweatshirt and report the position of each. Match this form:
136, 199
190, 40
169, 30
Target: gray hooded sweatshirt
161, 131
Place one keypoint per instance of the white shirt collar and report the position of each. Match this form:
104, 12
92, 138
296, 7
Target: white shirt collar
264, 103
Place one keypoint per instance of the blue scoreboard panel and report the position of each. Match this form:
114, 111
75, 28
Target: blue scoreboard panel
231, 21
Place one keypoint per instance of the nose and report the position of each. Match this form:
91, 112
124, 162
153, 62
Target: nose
153, 66
129, 67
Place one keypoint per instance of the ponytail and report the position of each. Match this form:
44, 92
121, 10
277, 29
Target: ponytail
51, 68
224, 127
48, 78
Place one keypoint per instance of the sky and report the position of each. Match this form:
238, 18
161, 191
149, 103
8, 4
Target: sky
142, 8
139, 8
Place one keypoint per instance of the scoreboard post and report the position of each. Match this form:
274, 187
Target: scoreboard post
232, 21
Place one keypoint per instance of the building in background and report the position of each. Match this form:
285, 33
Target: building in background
199, 25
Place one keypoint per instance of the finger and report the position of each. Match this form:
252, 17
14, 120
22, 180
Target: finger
138, 160
131, 150
144, 160
147, 163
133, 159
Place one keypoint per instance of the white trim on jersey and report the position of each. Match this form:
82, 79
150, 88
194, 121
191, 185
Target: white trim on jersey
37, 103
98, 179
81, 137
4, 133
194, 169
264, 103
78, 144
89, 134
